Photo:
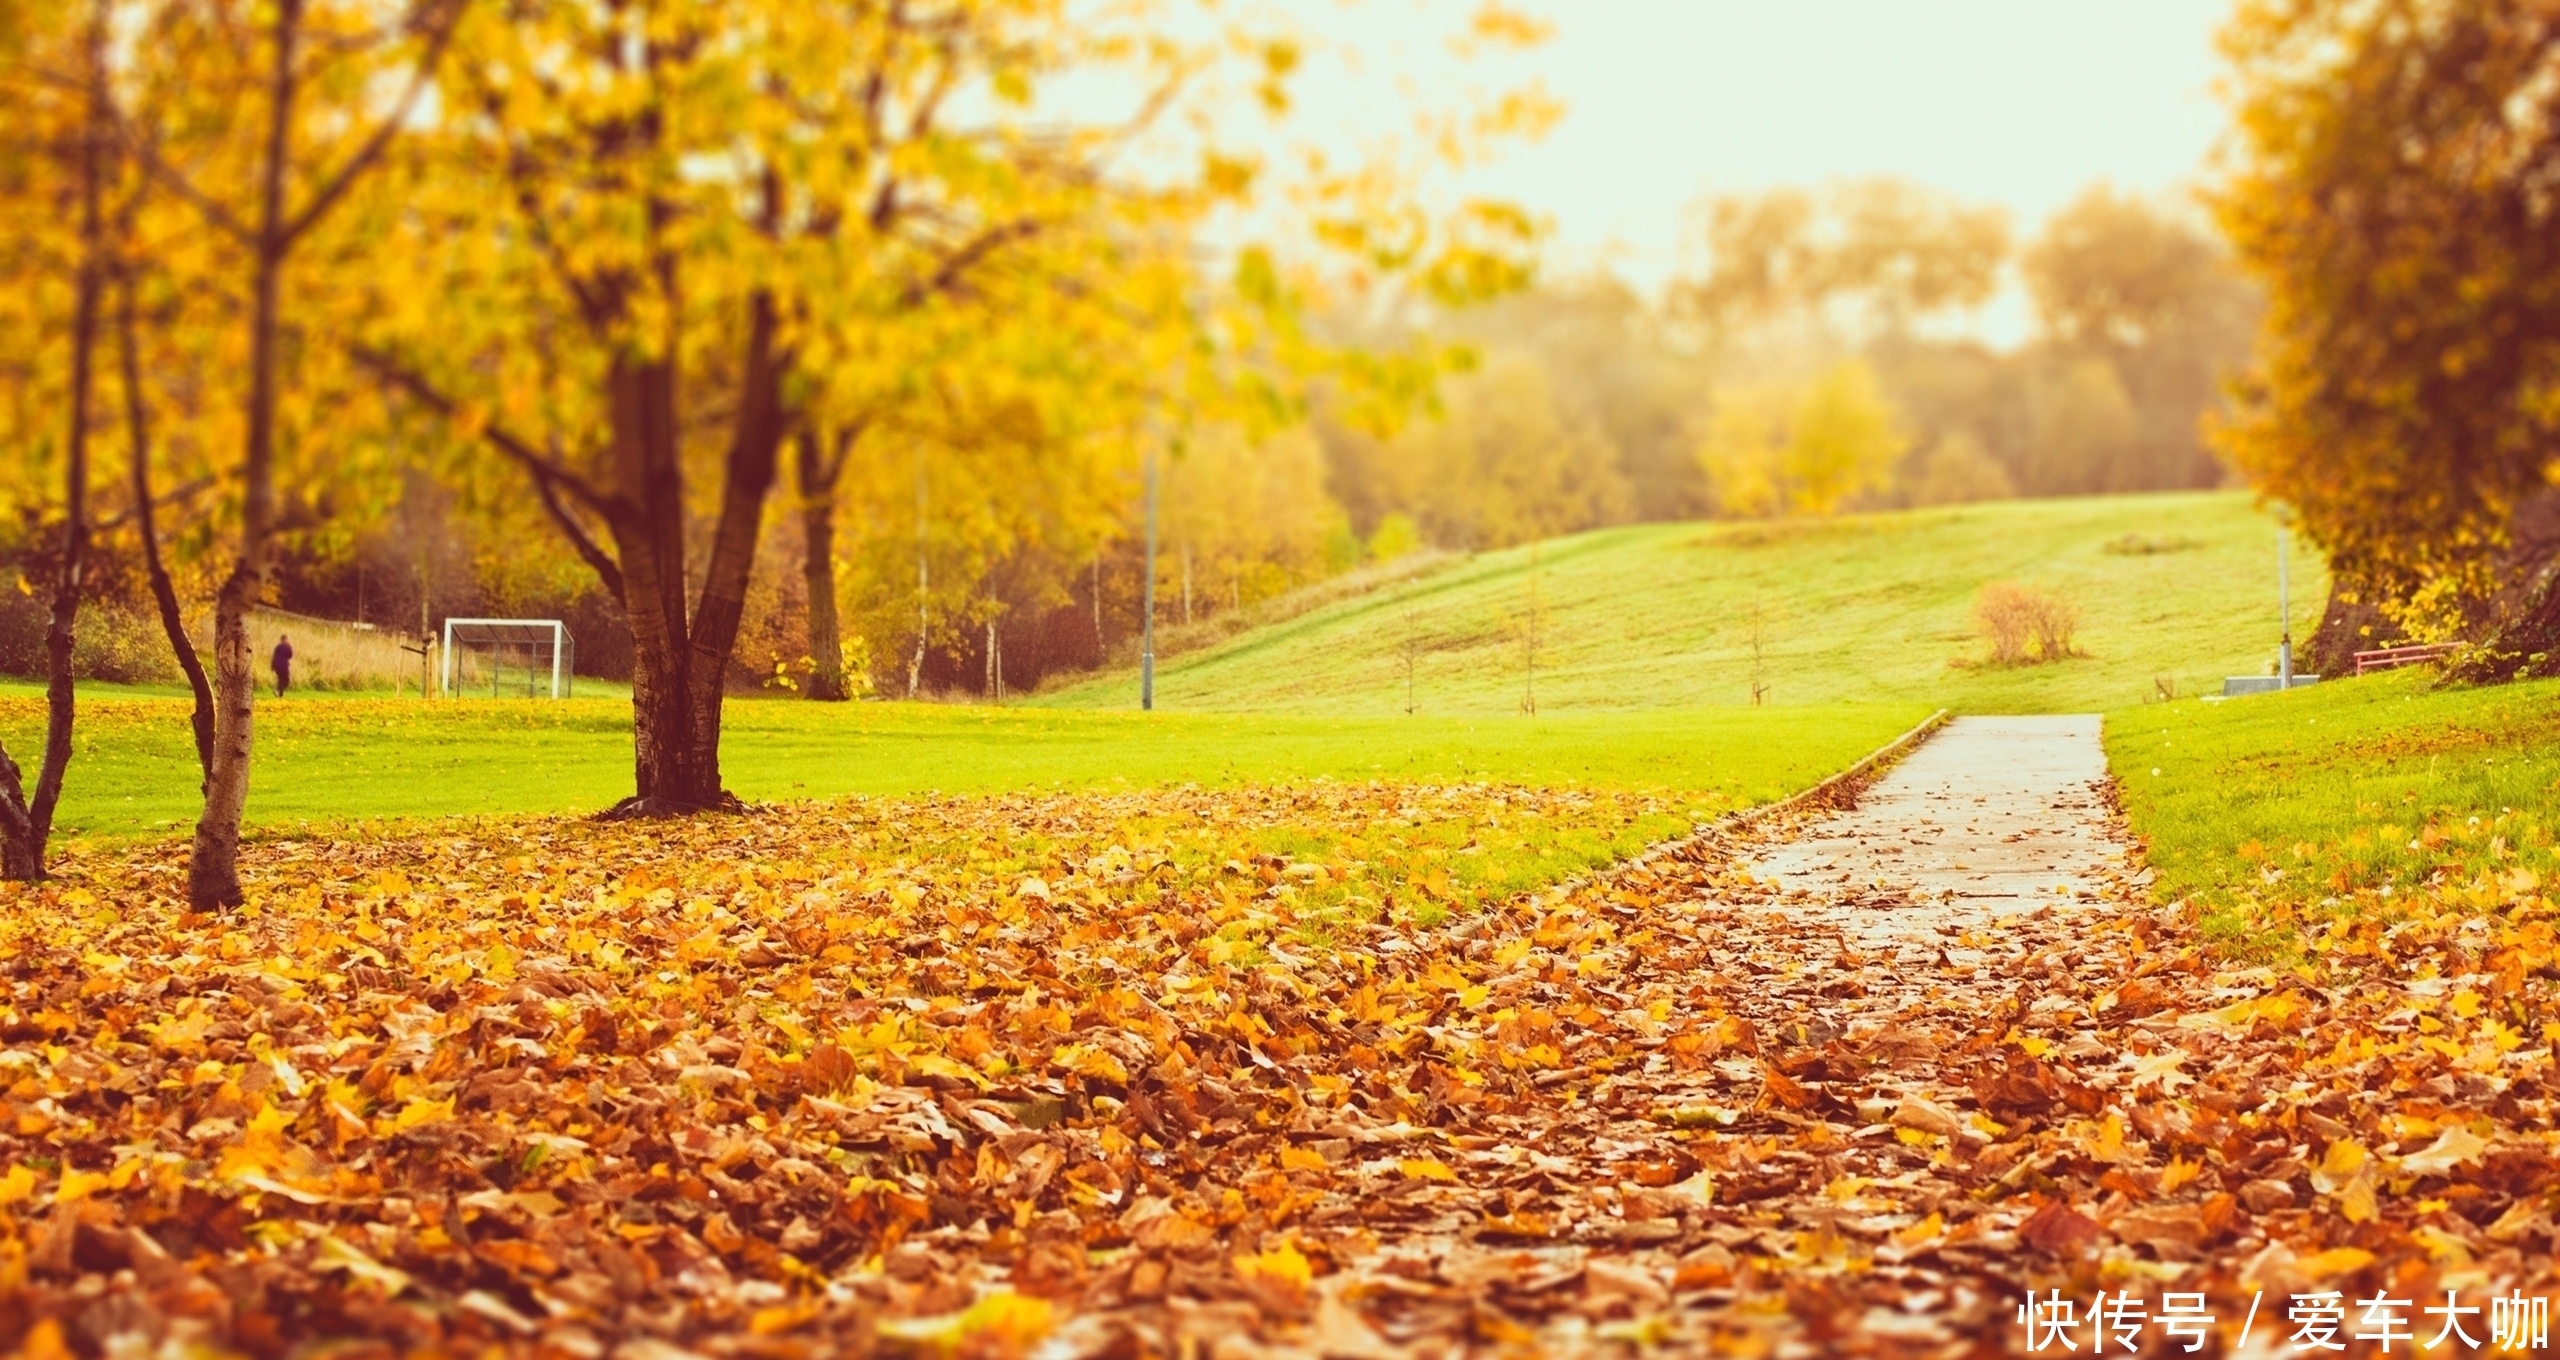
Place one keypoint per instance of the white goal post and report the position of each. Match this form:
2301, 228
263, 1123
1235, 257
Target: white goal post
541, 643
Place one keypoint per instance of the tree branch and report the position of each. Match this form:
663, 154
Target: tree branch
380, 140
955, 268
222, 218
410, 381
550, 476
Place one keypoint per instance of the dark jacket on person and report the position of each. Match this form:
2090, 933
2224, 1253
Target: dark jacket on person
282, 661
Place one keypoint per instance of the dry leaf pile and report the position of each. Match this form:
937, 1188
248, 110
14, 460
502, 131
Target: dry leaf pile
1004, 1075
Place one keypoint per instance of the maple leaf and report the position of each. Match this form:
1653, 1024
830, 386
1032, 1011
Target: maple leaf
2166, 1068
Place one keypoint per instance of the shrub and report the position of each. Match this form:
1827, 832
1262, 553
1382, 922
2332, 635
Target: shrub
2026, 626
2150, 545
109, 642
121, 645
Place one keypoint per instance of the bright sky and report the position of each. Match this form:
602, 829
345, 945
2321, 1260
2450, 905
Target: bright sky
2019, 102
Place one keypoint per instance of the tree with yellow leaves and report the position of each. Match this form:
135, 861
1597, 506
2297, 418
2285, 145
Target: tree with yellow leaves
1805, 450
59, 165
252, 126
2390, 187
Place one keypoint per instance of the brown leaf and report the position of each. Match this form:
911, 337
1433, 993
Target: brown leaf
2057, 1229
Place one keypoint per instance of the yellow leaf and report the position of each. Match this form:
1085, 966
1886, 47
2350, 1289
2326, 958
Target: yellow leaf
1427, 1169
935, 1065
420, 1112
44, 1340
2178, 1174
338, 1254
782, 1317
78, 1185
1007, 1321
1089, 1060
1283, 1264
2335, 1261
2338, 1166
2451, 1148
1296, 1158
1925, 1230
19, 1184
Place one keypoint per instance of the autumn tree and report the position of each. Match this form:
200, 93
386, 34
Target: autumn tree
1873, 255
657, 214
1802, 449
2137, 287
60, 166
2390, 187
257, 123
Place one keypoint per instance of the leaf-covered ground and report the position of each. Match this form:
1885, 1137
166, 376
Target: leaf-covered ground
1234, 1072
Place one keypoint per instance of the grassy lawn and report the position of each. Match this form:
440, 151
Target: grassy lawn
325, 759
2342, 798
1870, 608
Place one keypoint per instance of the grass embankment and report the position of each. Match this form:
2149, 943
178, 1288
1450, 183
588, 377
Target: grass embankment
1862, 608
329, 760
2349, 799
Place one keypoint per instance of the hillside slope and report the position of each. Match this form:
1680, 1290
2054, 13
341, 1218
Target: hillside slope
1860, 608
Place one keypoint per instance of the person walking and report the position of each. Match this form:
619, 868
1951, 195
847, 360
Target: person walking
282, 663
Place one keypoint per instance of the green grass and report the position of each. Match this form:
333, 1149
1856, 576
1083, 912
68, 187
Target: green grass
329, 759
2345, 797
1862, 609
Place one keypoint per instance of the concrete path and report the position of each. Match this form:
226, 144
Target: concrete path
1990, 817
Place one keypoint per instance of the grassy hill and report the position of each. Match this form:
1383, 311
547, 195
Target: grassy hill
1863, 608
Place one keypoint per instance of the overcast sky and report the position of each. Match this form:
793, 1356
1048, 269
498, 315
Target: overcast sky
2019, 102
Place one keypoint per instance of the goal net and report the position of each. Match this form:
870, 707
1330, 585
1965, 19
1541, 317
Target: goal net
500, 657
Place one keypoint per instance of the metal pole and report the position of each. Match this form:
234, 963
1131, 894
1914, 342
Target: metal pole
2284, 606
555, 660
447, 686
1147, 641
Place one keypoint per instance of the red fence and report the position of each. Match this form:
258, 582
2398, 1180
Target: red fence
2392, 658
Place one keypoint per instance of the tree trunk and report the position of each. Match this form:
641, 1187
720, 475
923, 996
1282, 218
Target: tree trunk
26, 819
755, 452
924, 594
2347, 626
681, 658
649, 540
213, 868
164, 592
2527, 645
818, 569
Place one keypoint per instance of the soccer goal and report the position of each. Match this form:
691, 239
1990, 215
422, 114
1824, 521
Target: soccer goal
509, 656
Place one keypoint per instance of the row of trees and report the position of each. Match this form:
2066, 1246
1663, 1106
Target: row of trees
1814, 361
625, 268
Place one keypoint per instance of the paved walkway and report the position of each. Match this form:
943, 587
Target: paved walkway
1991, 817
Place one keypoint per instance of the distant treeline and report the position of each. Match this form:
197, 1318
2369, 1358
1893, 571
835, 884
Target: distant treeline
1813, 361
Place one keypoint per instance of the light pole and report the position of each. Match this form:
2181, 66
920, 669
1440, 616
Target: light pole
2284, 596
1147, 627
